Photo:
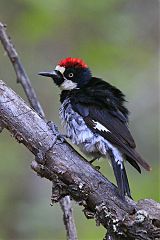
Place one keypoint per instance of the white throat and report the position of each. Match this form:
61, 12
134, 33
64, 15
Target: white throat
68, 85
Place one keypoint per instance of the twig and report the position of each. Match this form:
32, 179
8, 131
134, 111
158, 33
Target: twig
23, 78
124, 219
64, 202
20, 71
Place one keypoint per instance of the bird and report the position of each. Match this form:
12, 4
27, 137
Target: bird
95, 118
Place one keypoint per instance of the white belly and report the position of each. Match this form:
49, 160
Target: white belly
81, 135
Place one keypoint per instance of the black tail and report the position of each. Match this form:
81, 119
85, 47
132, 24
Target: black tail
121, 178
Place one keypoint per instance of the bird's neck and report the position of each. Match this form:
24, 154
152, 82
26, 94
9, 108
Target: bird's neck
67, 94
75, 92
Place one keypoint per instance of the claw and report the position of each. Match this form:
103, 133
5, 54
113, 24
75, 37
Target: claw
52, 126
93, 160
61, 138
58, 136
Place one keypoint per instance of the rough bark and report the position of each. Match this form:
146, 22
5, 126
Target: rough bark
74, 176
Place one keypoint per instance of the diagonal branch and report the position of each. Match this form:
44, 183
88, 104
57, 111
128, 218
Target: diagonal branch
23, 78
123, 219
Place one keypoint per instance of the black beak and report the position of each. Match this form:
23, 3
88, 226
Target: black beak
56, 75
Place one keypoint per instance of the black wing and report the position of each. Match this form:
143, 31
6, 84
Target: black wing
119, 129
113, 130
105, 114
105, 95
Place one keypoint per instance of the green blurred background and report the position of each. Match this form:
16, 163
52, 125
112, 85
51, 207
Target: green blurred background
118, 39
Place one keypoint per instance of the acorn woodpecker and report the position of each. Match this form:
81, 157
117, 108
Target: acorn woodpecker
95, 118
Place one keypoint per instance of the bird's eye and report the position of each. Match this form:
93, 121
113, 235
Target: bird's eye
70, 75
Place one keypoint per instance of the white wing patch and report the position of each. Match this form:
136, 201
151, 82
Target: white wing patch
100, 127
60, 69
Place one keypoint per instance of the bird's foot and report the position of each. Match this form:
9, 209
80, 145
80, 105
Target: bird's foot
93, 160
96, 157
58, 136
40, 156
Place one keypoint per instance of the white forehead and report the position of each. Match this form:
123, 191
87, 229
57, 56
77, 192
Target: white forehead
60, 69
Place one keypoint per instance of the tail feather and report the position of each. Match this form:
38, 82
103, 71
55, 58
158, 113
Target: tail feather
121, 178
135, 156
126, 183
133, 163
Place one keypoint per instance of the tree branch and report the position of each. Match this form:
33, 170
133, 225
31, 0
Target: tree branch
124, 219
23, 78
67, 217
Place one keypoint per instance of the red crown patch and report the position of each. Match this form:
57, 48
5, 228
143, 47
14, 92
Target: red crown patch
72, 62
